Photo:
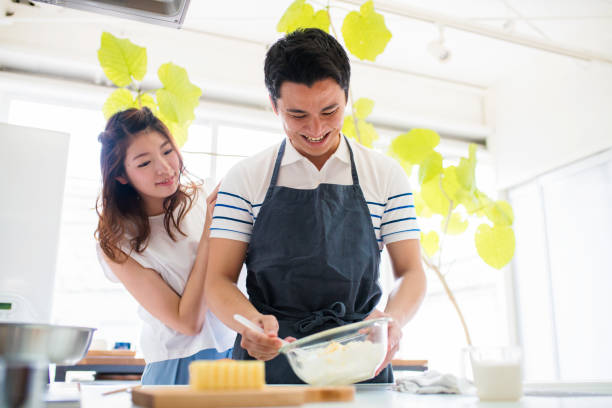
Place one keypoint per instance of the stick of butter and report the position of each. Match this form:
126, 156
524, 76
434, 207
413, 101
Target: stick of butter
226, 375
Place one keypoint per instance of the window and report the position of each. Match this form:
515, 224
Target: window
236, 143
563, 278
196, 151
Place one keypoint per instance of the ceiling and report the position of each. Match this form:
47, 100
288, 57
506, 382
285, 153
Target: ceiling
223, 44
475, 59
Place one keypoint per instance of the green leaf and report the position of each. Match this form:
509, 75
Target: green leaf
430, 167
179, 97
483, 202
421, 207
469, 200
500, 213
121, 59
495, 245
321, 20
147, 100
348, 127
430, 243
466, 170
415, 146
405, 165
365, 33
363, 108
434, 196
456, 225
367, 132
451, 184
120, 100
179, 132
301, 15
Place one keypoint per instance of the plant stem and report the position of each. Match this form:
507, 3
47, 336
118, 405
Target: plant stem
215, 154
437, 269
444, 232
450, 210
433, 267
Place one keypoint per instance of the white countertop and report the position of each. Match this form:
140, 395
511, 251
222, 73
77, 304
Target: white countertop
91, 397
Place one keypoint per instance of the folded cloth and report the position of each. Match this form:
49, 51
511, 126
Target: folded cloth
432, 382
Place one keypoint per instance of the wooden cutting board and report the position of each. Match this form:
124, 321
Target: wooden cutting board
185, 397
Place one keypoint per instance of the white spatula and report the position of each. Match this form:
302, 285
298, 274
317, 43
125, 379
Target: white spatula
247, 323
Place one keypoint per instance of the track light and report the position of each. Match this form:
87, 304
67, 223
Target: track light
509, 26
438, 49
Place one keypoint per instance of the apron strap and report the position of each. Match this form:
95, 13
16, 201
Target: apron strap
274, 180
279, 158
353, 167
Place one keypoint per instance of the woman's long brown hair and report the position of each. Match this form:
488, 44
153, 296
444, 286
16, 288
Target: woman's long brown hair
122, 217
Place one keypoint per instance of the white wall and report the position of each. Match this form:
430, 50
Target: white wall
549, 114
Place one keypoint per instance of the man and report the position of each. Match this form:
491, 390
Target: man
311, 216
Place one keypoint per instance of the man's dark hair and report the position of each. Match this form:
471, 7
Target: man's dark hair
306, 56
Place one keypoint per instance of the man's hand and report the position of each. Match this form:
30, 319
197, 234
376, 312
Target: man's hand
393, 339
263, 346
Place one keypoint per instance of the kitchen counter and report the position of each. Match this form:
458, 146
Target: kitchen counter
91, 397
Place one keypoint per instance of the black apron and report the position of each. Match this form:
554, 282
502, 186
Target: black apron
313, 262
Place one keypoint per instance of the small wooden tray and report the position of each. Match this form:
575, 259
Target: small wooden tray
185, 397
110, 353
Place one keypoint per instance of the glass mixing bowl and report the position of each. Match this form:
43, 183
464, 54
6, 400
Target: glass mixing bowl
340, 356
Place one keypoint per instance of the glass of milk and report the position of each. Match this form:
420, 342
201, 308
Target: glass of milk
497, 372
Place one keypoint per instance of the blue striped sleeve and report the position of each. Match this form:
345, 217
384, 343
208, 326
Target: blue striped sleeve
399, 221
233, 216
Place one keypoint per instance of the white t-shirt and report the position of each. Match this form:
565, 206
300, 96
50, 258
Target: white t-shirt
173, 261
384, 184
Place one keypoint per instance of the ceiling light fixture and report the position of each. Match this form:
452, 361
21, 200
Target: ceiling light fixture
509, 26
438, 49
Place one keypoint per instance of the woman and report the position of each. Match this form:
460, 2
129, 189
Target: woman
153, 238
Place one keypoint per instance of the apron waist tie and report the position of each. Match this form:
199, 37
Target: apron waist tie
336, 312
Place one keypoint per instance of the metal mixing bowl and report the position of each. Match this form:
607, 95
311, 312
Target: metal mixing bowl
44, 342
340, 356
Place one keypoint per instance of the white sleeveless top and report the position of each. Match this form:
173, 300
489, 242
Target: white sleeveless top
173, 261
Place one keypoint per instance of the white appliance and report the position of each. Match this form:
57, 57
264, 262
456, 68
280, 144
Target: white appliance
32, 178
165, 12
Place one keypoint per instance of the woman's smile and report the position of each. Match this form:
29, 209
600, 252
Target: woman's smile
167, 182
